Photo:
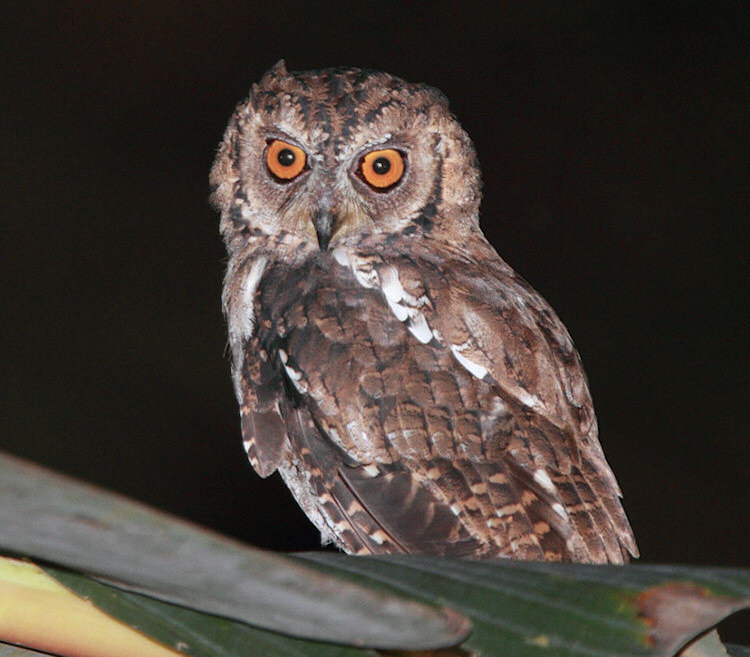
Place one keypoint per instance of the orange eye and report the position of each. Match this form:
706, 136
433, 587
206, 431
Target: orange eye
382, 169
285, 161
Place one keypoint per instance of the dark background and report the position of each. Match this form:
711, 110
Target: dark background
613, 139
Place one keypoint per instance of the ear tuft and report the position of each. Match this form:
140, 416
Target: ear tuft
278, 70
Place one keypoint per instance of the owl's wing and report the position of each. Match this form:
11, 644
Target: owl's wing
441, 410
500, 330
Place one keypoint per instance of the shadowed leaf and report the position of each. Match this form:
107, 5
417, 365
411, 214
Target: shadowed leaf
194, 633
520, 608
54, 518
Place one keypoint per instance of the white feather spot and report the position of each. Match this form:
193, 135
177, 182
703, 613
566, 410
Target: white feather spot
559, 509
419, 328
379, 536
351, 429
394, 293
366, 277
498, 408
242, 321
479, 371
301, 386
404, 305
391, 285
341, 256
294, 376
532, 401
397, 309
371, 470
542, 478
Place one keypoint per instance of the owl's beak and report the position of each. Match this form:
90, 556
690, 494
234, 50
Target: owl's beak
323, 221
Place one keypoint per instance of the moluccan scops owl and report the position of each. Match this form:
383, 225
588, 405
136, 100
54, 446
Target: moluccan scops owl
414, 392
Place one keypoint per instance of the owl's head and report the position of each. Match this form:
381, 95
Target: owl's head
321, 158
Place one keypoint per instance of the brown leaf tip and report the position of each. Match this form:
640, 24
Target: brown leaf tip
675, 612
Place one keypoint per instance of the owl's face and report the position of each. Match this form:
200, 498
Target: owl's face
320, 158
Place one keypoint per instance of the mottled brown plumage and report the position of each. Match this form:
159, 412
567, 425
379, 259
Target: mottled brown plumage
415, 394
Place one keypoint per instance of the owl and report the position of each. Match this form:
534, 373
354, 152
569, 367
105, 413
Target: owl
415, 394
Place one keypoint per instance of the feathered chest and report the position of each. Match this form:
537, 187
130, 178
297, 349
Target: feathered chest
322, 300
358, 347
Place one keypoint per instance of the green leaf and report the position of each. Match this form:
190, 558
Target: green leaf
194, 633
520, 607
517, 608
50, 517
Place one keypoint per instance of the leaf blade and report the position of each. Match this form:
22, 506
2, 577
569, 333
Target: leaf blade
192, 632
575, 609
53, 518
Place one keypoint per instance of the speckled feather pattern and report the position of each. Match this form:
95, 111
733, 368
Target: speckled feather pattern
415, 394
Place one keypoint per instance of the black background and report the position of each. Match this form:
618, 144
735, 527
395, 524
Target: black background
613, 139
